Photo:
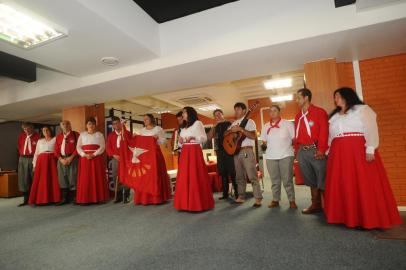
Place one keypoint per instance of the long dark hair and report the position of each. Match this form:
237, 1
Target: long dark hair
151, 118
191, 116
351, 99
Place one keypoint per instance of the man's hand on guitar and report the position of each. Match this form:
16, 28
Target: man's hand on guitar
237, 129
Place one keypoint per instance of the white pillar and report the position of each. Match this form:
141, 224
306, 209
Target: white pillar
357, 78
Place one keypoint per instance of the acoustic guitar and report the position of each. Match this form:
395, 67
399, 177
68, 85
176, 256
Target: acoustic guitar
232, 140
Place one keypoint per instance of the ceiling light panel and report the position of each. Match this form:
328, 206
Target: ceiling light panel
23, 30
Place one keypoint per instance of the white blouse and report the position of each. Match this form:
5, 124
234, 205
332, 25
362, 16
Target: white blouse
278, 140
196, 130
156, 131
43, 146
86, 138
362, 119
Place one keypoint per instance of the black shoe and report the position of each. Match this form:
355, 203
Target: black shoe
223, 198
25, 202
118, 201
126, 200
62, 202
64, 197
72, 197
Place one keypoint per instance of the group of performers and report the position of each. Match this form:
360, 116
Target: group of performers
337, 156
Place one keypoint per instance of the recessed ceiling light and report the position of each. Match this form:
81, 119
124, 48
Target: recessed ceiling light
21, 30
282, 98
280, 83
110, 61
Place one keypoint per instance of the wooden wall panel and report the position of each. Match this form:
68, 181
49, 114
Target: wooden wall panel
77, 116
322, 79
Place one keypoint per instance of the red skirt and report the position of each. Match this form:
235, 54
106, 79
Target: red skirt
163, 184
45, 186
92, 186
358, 192
193, 191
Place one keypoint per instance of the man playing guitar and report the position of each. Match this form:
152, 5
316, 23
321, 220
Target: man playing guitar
244, 159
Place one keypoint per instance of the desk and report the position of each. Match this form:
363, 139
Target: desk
9, 185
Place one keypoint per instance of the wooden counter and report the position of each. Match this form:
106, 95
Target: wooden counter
9, 185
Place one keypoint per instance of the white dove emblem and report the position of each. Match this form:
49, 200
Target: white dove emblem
136, 153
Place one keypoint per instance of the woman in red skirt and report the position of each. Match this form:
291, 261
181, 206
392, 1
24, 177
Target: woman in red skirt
193, 191
45, 186
92, 186
162, 185
358, 193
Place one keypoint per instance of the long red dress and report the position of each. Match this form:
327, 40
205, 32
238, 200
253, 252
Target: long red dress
92, 186
193, 190
358, 192
45, 186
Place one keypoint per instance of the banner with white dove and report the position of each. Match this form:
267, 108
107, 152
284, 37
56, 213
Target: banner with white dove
138, 164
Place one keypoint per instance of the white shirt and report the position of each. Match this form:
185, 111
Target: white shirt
118, 140
362, 119
278, 140
86, 138
43, 146
156, 131
63, 145
249, 127
196, 130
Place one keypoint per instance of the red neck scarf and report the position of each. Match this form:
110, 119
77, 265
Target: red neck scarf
276, 125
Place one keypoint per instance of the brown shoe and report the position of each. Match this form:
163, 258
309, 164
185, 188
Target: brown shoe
239, 200
315, 207
273, 204
293, 205
258, 203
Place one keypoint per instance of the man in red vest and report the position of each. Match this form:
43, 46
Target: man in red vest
65, 152
311, 144
27, 143
113, 152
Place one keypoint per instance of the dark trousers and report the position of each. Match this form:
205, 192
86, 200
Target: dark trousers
225, 185
226, 169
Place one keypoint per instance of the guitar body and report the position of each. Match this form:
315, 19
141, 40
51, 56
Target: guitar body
232, 142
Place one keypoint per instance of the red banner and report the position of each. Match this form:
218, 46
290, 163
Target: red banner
139, 164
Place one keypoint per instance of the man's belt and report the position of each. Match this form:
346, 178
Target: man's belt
247, 147
65, 156
307, 147
27, 156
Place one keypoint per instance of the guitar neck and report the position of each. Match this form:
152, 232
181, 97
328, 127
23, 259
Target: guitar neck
245, 119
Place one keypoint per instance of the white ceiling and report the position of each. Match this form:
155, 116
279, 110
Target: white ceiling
248, 38
91, 36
